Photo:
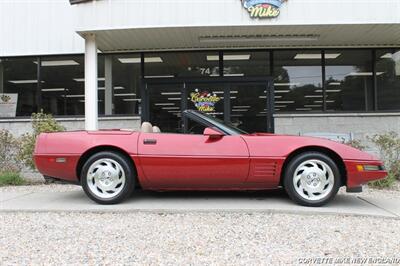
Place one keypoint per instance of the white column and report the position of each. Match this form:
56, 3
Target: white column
108, 93
91, 83
1, 77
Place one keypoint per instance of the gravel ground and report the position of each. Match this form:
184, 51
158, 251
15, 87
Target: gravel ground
191, 238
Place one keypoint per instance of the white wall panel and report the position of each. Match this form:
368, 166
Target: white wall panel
29, 27
117, 14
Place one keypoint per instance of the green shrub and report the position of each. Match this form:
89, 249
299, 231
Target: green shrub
356, 144
41, 123
10, 178
8, 152
389, 149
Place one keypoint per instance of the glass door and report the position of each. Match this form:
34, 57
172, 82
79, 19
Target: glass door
249, 108
165, 106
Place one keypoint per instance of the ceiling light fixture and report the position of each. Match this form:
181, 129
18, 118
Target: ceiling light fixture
315, 56
171, 93
241, 106
131, 100
54, 89
159, 76
75, 96
313, 96
284, 101
25, 81
137, 60
387, 56
58, 63
125, 94
364, 73
83, 79
234, 75
258, 38
237, 57
171, 108
164, 104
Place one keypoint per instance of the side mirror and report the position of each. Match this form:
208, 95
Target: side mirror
212, 133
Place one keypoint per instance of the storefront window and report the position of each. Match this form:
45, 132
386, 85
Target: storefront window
348, 80
298, 81
62, 85
20, 78
126, 82
183, 64
246, 64
388, 79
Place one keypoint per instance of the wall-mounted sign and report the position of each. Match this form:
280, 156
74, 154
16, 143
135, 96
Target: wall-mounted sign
8, 105
263, 8
204, 101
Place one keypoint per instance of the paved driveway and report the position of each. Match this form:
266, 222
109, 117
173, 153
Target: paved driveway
265, 201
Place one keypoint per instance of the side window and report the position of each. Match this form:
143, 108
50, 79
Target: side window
195, 127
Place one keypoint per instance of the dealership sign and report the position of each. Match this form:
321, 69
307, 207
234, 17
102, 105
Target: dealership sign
263, 8
8, 105
204, 101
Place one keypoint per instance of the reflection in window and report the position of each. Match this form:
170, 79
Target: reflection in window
249, 107
62, 87
298, 81
165, 106
244, 63
182, 64
348, 77
126, 77
20, 77
388, 79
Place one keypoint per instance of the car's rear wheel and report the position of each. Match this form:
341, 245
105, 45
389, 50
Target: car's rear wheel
312, 179
108, 177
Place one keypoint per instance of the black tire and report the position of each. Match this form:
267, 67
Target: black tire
289, 176
127, 187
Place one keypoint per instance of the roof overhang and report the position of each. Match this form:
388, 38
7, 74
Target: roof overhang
239, 37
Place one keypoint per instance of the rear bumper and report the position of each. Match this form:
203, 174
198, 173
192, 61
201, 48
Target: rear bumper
58, 166
359, 172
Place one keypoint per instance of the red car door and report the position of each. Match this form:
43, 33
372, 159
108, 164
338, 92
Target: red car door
193, 161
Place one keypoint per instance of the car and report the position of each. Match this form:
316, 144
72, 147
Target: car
110, 165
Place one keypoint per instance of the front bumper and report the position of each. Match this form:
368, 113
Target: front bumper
361, 172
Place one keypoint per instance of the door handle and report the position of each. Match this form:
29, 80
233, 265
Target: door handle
149, 141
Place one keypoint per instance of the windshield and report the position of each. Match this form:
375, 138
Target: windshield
218, 123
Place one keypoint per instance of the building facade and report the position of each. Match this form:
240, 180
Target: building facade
292, 67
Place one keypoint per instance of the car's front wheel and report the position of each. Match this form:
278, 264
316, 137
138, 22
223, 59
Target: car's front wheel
312, 179
107, 177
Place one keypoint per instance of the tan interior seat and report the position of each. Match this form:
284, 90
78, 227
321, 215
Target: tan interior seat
156, 129
146, 127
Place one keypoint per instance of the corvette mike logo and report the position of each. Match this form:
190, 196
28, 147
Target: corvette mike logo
204, 101
263, 8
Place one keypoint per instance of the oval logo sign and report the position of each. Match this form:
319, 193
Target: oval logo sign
263, 8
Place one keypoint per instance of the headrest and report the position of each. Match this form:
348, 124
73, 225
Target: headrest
156, 129
146, 127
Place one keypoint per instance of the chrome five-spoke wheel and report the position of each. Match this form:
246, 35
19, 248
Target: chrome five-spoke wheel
108, 177
312, 179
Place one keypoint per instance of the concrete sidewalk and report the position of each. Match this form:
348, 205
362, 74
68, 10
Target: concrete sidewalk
266, 201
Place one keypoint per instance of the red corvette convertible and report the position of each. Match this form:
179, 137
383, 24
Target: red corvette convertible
111, 164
